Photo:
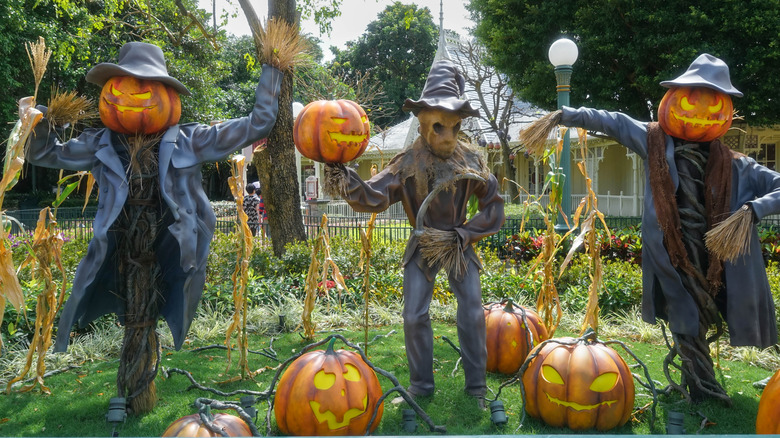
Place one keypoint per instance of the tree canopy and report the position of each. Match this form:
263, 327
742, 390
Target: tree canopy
397, 50
626, 47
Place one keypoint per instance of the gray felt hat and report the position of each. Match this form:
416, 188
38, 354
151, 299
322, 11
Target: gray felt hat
442, 90
139, 60
706, 71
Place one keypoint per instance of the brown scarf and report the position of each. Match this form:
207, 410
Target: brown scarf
717, 183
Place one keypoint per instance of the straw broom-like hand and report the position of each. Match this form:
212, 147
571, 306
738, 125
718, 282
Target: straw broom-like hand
534, 137
336, 182
731, 238
281, 45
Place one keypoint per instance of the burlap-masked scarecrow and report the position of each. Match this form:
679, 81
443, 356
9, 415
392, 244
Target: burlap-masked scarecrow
440, 165
696, 186
154, 222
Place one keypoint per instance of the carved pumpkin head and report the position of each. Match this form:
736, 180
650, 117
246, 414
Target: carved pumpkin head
699, 114
509, 340
138, 106
581, 386
327, 393
331, 131
768, 418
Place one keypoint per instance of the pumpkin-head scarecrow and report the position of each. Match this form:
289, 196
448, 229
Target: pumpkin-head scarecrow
696, 190
154, 223
434, 178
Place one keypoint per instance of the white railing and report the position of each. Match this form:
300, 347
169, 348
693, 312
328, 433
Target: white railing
609, 204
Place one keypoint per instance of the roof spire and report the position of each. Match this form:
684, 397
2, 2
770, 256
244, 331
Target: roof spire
441, 50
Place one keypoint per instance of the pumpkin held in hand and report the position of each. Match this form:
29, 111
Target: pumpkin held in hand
580, 386
327, 393
191, 425
331, 131
138, 106
768, 418
509, 340
697, 114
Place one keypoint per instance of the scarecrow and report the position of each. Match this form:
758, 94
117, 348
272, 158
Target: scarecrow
434, 178
696, 188
154, 222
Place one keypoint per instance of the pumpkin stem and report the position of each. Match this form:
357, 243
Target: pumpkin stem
589, 335
510, 306
330, 346
206, 409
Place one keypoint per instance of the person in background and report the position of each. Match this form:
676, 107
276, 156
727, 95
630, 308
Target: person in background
251, 203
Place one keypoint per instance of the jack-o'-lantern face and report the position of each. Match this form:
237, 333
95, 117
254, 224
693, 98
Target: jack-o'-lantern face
440, 129
334, 387
331, 131
579, 386
133, 106
699, 114
327, 393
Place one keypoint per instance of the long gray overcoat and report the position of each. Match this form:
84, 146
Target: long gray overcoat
750, 312
184, 247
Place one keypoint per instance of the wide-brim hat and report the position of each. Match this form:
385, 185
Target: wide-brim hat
139, 60
442, 90
706, 71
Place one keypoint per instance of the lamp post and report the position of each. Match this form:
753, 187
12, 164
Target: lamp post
563, 54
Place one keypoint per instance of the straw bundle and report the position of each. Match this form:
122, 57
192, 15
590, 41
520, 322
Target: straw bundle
282, 45
731, 238
442, 248
535, 136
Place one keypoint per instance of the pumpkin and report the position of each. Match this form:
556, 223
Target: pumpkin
699, 114
327, 393
191, 425
508, 342
768, 418
331, 131
134, 106
581, 386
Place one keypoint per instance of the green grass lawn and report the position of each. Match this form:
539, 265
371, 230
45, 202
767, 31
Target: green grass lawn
79, 400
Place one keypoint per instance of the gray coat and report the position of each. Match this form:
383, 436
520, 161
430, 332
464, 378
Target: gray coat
184, 247
750, 312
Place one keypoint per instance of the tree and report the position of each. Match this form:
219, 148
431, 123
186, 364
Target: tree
627, 47
493, 95
397, 50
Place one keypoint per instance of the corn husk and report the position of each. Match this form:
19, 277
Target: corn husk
240, 277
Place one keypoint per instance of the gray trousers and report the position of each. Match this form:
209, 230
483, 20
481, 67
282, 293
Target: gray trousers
418, 334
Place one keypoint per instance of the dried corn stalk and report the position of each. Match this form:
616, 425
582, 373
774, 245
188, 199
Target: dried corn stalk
46, 252
317, 277
589, 238
365, 266
240, 275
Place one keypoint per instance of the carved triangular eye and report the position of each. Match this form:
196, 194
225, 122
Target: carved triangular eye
604, 382
551, 375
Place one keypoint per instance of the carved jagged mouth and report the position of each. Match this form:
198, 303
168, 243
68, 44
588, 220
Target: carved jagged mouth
330, 417
577, 406
695, 121
339, 137
135, 109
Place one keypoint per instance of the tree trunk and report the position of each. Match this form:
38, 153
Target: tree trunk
276, 165
509, 173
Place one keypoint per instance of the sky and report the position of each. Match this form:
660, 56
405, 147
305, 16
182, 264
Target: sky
355, 16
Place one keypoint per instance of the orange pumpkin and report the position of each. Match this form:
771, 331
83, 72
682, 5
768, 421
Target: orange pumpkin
331, 131
581, 386
768, 418
327, 393
191, 425
134, 106
508, 339
699, 114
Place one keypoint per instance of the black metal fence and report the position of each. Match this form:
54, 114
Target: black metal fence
77, 224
